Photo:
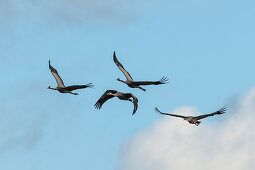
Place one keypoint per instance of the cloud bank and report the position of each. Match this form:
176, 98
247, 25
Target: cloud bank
173, 144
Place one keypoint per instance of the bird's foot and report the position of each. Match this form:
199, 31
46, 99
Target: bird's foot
142, 89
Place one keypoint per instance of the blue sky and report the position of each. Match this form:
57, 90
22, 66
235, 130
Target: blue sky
205, 48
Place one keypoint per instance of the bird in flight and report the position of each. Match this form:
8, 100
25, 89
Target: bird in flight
135, 84
122, 96
61, 87
194, 119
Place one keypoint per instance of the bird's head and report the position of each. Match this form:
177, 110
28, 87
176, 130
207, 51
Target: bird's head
118, 79
50, 87
112, 92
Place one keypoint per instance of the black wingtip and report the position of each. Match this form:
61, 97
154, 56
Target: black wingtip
156, 110
164, 80
135, 109
223, 110
97, 106
90, 85
50, 64
114, 57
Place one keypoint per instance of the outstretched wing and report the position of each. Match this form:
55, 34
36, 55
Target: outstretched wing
135, 102
75, 87
156, 109
163, 80
56, 76
103, 99
120, 66
221, 111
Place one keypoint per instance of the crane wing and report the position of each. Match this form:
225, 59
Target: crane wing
163, 80
135, 102
75, 87
120, 66
103, 99
221, 111
156, 109
56, 76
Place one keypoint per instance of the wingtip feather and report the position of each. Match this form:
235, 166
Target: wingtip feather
114, 54
90, 85
97, 106
164, 80
156, 110
223, 110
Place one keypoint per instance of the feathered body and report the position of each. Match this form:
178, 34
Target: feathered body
122, 96
129, 80
61, 87
194, 119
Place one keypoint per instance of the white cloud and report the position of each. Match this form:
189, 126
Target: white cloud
173, 144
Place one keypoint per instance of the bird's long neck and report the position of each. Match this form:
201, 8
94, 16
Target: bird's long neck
52, 88
122, 81
117, 94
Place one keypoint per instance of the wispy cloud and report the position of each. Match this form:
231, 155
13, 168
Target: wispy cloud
26, 141
175, 144
20, 131
67, 11
22, 122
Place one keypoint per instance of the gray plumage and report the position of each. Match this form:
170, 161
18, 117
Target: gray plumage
194, 119
122, 96
61, 87
129, 80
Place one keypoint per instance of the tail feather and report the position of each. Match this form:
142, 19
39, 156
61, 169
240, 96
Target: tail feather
197, 123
